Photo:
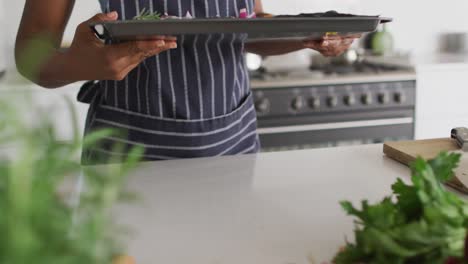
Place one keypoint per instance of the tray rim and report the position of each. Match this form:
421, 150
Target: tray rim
243, 20
104, 30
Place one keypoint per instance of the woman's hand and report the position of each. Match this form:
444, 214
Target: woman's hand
39, 58
331, 45
90, 59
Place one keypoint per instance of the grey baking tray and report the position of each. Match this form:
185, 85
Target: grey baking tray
255, 29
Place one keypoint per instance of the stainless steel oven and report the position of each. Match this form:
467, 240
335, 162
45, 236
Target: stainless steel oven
298, 113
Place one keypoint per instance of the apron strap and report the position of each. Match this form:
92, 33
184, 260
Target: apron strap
89, 91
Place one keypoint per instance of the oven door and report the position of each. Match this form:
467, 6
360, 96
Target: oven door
334, 130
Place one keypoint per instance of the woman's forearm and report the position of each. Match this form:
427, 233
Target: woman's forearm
272, 48
42, 63
52, 69
57, 71
37, 43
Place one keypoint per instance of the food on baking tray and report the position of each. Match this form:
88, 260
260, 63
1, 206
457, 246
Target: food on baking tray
149, 15
331, 13
243, 13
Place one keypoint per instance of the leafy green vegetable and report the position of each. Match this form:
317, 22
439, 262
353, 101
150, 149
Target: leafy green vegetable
40, 223
420, 223
147, 15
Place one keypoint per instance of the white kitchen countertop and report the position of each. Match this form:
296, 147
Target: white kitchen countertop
274, 208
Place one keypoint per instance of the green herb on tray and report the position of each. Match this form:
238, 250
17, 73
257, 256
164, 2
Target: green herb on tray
147, 15
419, 223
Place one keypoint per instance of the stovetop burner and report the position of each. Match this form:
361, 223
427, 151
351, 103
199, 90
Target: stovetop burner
361, 67
329, 70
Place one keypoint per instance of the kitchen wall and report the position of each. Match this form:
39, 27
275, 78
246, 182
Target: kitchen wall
84, 9
416, 27
3, 36
417, 24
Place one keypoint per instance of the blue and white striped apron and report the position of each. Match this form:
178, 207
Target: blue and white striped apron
193, 101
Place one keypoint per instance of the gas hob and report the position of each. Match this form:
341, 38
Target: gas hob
358, 104
332, 74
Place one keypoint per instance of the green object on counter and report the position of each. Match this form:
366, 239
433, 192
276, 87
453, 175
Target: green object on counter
420, 222
382, 42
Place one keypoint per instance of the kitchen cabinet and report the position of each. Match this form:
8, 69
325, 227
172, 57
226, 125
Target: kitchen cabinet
442, 99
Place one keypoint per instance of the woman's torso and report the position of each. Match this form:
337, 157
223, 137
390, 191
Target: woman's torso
204, 77
193, 101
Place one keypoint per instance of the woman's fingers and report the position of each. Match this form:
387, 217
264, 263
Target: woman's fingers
111, 16
331, 45
313, 44
124, 57
149, 49
141, 48
98, 61
171, 38
165, 37
353, 36
83, 30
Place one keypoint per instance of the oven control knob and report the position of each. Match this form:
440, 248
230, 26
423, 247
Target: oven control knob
298, 103
332, 101
399, 98
349, 100
366, 99
262, 105
314, 102
383, 98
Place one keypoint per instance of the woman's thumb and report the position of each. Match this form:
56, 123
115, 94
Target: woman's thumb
111, 16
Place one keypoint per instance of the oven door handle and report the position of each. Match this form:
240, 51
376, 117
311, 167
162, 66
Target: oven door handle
337, 125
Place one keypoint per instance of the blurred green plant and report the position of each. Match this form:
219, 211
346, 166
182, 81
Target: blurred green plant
420, 223
36, 51
39, 221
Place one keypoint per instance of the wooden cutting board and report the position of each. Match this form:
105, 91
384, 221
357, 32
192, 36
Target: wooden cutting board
407, 151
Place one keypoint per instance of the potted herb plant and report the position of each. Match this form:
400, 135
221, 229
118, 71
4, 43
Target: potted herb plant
42, 220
